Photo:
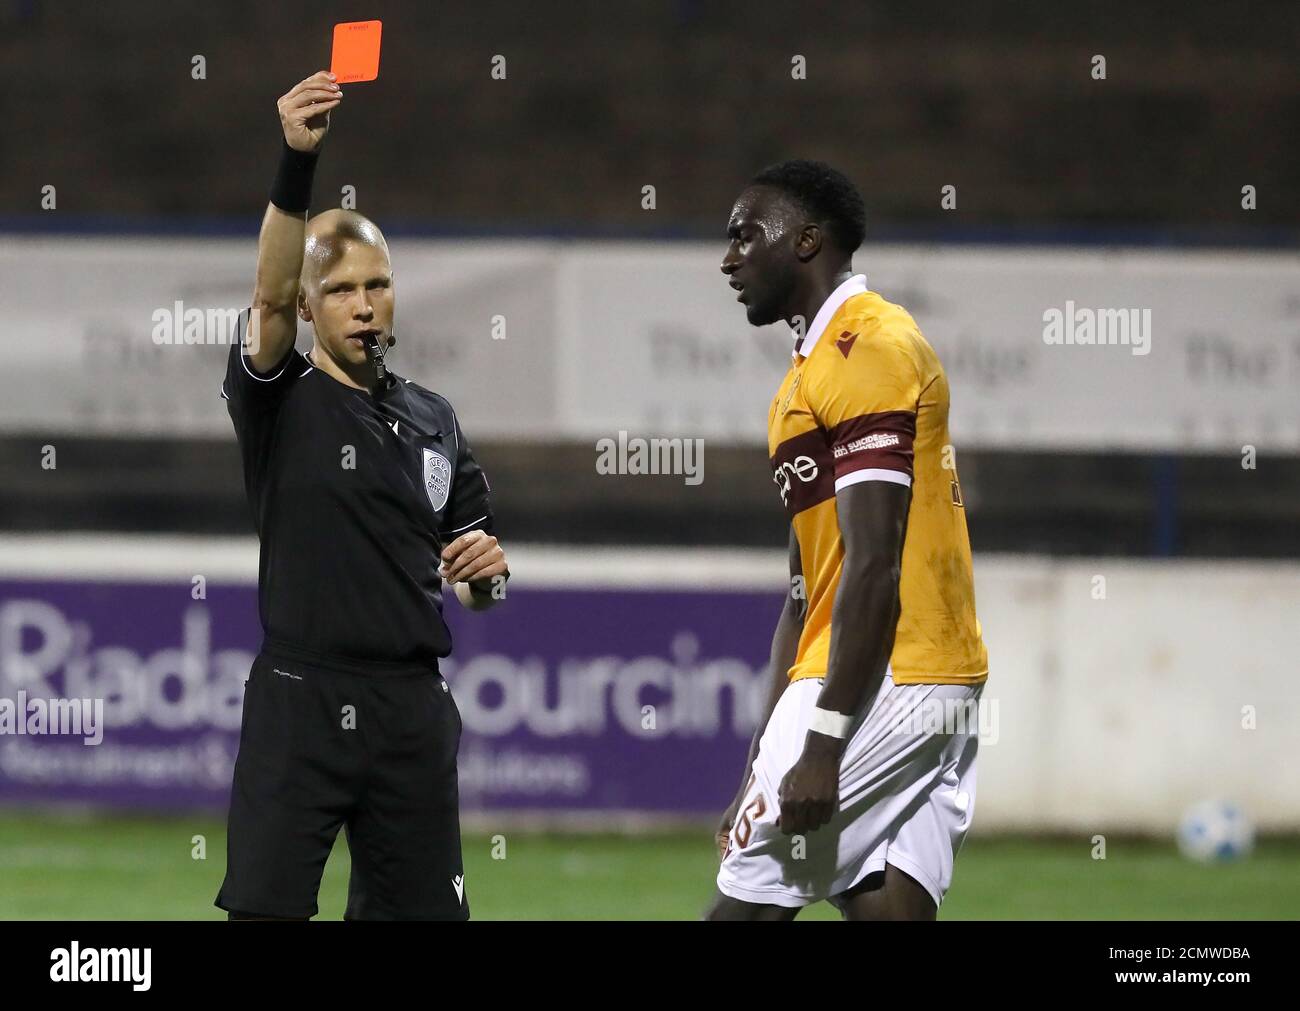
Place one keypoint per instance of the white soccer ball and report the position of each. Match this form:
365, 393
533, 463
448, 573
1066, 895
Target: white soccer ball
1215, 831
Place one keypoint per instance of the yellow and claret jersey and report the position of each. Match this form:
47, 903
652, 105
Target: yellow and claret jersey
867, 400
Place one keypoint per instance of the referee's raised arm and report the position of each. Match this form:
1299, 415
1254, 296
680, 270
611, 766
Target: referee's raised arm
304, 115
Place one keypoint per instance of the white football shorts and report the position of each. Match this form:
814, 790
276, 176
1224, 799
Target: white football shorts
907, 794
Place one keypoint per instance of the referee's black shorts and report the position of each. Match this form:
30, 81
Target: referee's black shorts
321, 748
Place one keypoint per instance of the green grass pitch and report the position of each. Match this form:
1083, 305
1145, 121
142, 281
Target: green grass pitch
61, 867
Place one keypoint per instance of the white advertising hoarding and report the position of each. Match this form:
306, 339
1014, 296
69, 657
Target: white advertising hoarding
1189, 351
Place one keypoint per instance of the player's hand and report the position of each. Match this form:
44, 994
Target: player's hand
305, 110
473, 558
809, 792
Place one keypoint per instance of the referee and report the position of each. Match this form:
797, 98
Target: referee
366, 497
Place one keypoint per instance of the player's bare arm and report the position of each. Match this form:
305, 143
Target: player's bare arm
304, 116
475, 564
873, 521
785, 645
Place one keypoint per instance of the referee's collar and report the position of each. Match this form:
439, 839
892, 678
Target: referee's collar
855, 285
388, 384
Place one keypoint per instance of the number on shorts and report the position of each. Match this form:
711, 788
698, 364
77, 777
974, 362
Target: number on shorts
745, 823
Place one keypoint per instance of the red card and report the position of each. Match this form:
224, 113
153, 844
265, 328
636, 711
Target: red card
356, 51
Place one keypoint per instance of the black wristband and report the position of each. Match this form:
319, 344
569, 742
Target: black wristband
291, 191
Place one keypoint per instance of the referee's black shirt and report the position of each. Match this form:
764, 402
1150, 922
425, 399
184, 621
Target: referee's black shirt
354, 496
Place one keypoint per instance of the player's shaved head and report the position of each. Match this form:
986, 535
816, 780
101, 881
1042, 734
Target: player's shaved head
328, 237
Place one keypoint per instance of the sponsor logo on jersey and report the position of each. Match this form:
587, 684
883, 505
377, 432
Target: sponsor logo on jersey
876, 440
802, 467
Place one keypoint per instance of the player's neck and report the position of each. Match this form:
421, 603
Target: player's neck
359, 377
813, 295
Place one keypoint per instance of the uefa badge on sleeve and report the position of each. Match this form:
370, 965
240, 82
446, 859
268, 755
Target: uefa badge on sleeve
437, 478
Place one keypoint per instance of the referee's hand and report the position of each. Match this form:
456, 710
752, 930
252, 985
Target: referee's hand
305, 110
473, 558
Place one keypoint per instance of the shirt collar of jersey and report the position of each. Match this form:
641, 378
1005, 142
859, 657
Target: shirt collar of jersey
390, 384
855, 285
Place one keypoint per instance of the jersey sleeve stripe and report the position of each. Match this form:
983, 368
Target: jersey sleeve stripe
468, 525
879, 441
268, 378
873, 474
241, 330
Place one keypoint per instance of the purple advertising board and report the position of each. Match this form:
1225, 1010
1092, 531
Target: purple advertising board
572, 700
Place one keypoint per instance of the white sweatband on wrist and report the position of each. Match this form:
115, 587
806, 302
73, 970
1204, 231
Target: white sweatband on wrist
831, 724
